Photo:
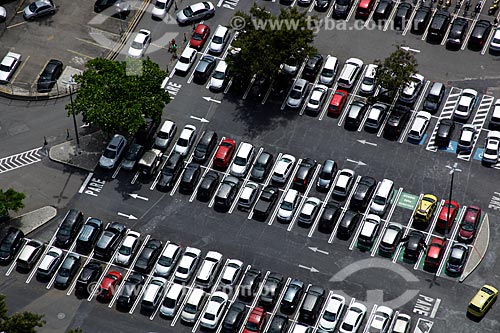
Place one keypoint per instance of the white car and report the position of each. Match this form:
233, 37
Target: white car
3, 14
334, 310
329, 71
402, 324
219, 77
188, 264
128, 248
186, 140
419, 126
491, 148
375, 117
353, 318
381, 320
186, 60
214, 310
465, 104
301, 328
368, 83
8, 66
140, 44
495, 41
49, 263
248, 196
467, 138
197, 11
344, 183
283, 168
309, 211
219, 40
317, 98
161, 8
412, 89
231, 272
167, 260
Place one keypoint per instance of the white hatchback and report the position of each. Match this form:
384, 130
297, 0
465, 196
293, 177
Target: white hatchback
186, 140
419, 126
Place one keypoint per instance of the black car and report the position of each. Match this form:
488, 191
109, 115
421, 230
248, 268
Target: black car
208, 186
444, 133
148, 256
170, 172
363, 193
355, 115
49, 76
414, 243
438, 27
10, 244
385, 95
109, 240
304, 173
396, 122
479, 35
204, 69
67, 271
69, 228
226, 193
457, 34
311, 305
341, 8
383, 10
89, 274
271, 290
129, 292
190, 178
402, 16
329, 217
266, 202
205, 146
292, 296
326, 175
89, 235
249, 284
421, 20
101, 5
132, 156
262, 166
259, 88
234, 318
321, 5
348, 224
312, 67
457, 259
279, 324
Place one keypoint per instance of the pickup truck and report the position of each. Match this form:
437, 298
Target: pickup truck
8, 66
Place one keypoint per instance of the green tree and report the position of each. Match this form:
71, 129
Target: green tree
10, 200
25, 322
396, 70
118, 95
264, 46
75, 330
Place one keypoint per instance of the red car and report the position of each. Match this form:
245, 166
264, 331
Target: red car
447, 215
435, 253
109, 285
364, 9
469, 224
199, 36
224, 153
255, 322
337, 103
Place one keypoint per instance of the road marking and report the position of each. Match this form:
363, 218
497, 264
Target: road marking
92, 43
80, 54
137, 196
30, 157
17, 24
130, 216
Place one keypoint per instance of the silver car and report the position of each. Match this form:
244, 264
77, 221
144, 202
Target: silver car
297, 94
113, 152
38, 9
197, 11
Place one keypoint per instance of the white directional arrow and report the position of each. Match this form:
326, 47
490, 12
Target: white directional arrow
203, 120
137, 196
364, 142
210, 99
85, 125
407, 48
311, 269
130, 217
359, 163
315, 249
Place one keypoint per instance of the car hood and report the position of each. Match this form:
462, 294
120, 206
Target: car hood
324, 182
258, 173
61, 279
293, 101
161, 143
181, 66
367, 87
165, 179
339, 7
215, 47
134, 53
162, 270
285, 214
4, 75
158, 11
326, 324
27, 11
216, 83
128, 164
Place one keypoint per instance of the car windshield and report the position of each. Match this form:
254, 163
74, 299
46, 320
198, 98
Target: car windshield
109, 153
462, 108
368, 80
197, 36
327, 72
125, 250
131, 155
490, 151
454, 260
4, 68
162, 135
184, 60
347, 327
252, 327
169, 303
33, 7
240, 161
64, 232
209, 316
379, 200
190, 308
486, 290
217, 39
64, 272
286, 205
324, 175
182, 270
165, 261
136, 45
295, 94
188, 12
329, 316
218, 75
182, 142
468, 227
161, 5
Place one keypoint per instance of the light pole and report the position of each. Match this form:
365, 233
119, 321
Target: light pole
71, 84
453, 169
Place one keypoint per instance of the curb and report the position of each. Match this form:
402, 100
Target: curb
52, 158
485, 223
50, 216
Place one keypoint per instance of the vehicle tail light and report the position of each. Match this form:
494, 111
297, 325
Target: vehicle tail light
305, 182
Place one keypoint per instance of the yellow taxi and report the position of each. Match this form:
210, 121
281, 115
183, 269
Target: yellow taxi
482, 301
425, 209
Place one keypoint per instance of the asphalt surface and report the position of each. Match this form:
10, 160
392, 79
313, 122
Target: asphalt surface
269, 247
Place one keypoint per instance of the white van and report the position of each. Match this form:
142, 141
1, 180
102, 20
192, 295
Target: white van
173, 300
368, 83
382, 197
350, 73
165, 135
193, 306
243, 160
288, 205
329, 70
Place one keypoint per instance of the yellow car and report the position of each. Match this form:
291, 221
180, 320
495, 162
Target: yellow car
425, 209
482, 301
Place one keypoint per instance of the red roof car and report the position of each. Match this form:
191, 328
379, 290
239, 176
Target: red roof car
469, 224
447, 215
337, 102
364, 8
109, 285
255, 322
224, 153
434, 254
199, 36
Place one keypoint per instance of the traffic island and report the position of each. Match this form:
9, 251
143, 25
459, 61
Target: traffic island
31, 221
479, 248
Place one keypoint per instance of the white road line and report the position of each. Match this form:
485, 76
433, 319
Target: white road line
424, 36
116, 171
39, 261
370, 318
327, 101
429, 234
85, 182
14, 261
255, 300
276, 307
158, 174
12, 160
351, 97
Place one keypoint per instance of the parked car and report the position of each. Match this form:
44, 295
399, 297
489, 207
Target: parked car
467, 139
140, 44
214, 310
262, 166
174, 297
353, 318
419, 126
271, 290
341, 8
469, 224
231, 273
309, 211
113, 152
396, 122
479, 35
148, 256
49, 76
234, 318
447, 215
363, 193
337, 102
444, 133
330, 319
187, 265
170, 172
204, 69
329, 217
69, 228
304, 174
161, 8
283, 168
266, 202
288, 206
425, 209
224, 153
292, 296
439, 26
368, 84
330, 68
412, 90
402, 323
29, 255
434, 97
209, 270
165, 135
226, 194
369, 232
248, 196
348, 224
130, 290
312, 67
190, 178
205, 147
457, 34
50, 263
390, 239
482, 301
109, 241
495, 42
434, 255
421, 20
8, 66
249, 284
316, 99
414, 244
194, 305
355, 115
220, 77
208, 186
197, 11
243, 160
311, 305
38, 9
376, 117
466, 103
128, 249
88, 276
167, 260
326, 175
186, 60
344, 183
381, 320
109, 285
297, 94
402, 16
186, 140
219, 40
279, 324
199, 36
457, 259
153, 294
255, 321
491, 148
383, 10
132, 156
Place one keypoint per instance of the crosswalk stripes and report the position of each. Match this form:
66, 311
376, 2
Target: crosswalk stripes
20, 160
446, 113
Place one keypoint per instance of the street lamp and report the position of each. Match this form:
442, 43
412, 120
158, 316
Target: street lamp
453, 169
71, 84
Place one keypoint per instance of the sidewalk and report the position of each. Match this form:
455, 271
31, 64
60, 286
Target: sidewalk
33, 220
479, 248
91, 148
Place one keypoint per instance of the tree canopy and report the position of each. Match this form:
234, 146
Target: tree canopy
10, 200
119, 95
25, 322
267, 41
395, 71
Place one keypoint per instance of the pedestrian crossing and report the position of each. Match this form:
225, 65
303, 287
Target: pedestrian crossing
23, 159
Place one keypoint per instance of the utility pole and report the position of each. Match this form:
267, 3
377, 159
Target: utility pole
452, 169
71, 84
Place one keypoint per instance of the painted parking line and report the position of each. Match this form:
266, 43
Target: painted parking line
39, 261
328, 99
365, 214
426, 31
469, 33
322, 311
409, 23
299, 306
299, 74
406, 231
391, 15
351, 12
268, 92
158, 174
14, 261
19, 160
414, 112
369, 20
326, 200
65, 255
387, 114
247, 91
386, 222
73, 284
80, 54
310, 87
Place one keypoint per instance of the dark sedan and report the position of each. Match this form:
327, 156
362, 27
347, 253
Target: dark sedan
457, 34
397, 121
148, 256
304, 174
190, 178
249, 284
266, 202
383, 10
292, 296
132, 156
341, 8
479, 35
204, 69
444, 133
402, 16
348, 224
363, 193
271, 290
326, 175
67, 271
208, 186
421, 20
129, 292
414, 244
457, 259
89, 274
226, 193
329, 217
262, 166
321, 5
49, 76
313, 66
